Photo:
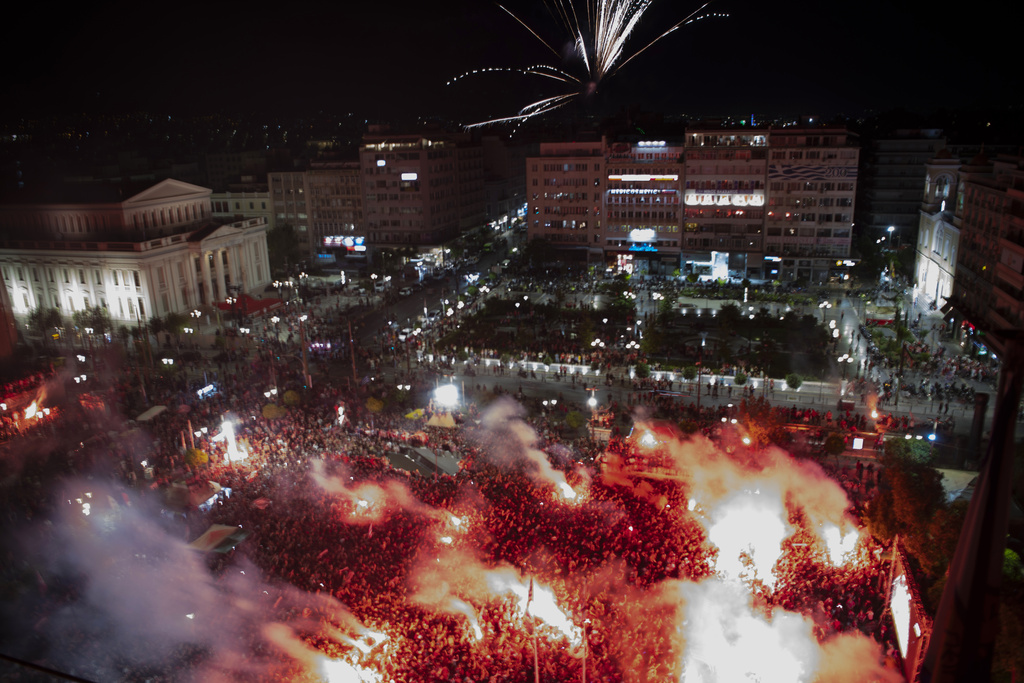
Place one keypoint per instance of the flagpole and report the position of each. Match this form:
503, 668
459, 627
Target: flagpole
536, 657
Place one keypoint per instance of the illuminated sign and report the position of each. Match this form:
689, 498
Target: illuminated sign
205, 390
809, 173
773, 258
633, 190
651, 143
642, 247
346, 241
380, 162
694, 199
643, 178
410, 176
642, 235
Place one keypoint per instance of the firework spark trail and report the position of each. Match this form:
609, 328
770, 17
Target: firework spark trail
599, 42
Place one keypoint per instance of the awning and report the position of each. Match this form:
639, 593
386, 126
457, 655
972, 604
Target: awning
150, 414
219, 538
946, 307
444, 420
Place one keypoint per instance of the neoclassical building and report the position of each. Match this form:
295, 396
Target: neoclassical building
155, 253
938, 233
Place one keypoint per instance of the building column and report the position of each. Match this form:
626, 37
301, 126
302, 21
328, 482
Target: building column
204, 265
218, 265
233, 270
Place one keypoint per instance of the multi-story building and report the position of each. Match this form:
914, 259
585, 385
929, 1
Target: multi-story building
155, 253
762, 204
288, 195
224, 169
420, 193
812, 185
893, 168
336, 210
565, 199
724, 198
938, 233
643, 204
988, 290
243, 206
504, 181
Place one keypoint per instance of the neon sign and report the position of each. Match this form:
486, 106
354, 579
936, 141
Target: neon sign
646, 178
694, 199
348, 242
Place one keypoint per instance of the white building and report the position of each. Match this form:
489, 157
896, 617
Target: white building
152, 254
938, 233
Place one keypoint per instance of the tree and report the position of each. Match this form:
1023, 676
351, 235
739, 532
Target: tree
157, 325
291, 398
764, 425
45, 322
176, 322
740, 379
793, 381
729, 318
283, 248
272, 411
834, 444
574, 419
195, 457
690, 373
918, 511
643, 370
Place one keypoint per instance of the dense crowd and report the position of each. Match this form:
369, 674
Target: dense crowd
331, 515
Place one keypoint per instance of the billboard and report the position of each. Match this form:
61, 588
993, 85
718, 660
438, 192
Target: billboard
911, 623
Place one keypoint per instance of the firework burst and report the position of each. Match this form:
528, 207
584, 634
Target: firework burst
599, 33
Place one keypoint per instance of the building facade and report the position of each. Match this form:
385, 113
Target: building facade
893, 169
565, 190
724, 198
288, 194
169, 256
812, 188
724, 203
335, 204
240, 206
938, 232
988, 290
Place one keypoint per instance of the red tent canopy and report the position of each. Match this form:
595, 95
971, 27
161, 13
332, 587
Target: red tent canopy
249, 306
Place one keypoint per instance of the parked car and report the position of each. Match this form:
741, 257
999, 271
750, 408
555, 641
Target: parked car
405, 291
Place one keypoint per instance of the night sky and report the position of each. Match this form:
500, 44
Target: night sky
381, 58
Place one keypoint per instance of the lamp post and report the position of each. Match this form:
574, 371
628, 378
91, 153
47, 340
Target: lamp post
845, 360
305, 352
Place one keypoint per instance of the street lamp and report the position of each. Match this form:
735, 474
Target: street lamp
447, 396
845, 361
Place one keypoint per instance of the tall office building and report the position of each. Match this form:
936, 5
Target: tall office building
335, 204
565, 197
812, 186
420, 192
893, 168
288, 195
724, 219
643, 204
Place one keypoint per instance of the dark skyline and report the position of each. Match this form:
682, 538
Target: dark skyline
379, 59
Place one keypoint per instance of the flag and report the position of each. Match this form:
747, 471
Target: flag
529, 595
